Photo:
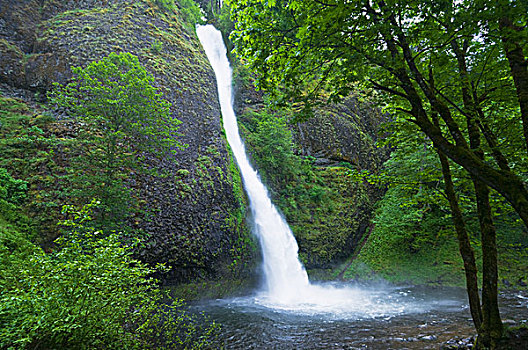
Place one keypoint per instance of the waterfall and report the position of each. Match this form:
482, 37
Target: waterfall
285, 276
287, 286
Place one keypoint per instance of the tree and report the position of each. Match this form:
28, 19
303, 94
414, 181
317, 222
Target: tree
121, 118
456, 69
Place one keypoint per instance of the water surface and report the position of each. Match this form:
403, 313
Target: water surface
382, 318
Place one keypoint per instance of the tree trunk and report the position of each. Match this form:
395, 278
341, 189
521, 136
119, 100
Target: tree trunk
491, 329
464, 245
518, 67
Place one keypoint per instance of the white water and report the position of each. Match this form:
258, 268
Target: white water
286, 280
283, 271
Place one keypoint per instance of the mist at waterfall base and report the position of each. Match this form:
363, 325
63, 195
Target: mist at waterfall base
286, 282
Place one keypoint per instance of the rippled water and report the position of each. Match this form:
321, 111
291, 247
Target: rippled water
383, 318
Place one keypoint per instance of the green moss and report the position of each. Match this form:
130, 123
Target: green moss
28, 153
7, 46
244, 247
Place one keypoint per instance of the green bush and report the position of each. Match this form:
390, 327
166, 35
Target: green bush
89, 294
272, 146
11, 190
13, 193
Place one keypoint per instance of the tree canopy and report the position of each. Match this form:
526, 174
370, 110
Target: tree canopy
459, 61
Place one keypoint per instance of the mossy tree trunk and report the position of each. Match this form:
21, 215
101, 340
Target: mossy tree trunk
490, 330
464, 244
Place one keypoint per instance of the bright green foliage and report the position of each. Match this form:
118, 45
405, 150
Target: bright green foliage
191, 11
12, 194
323, 205
11, 190
413, 238
122, 117
272, 146
407, 50
89, 294
14, 246
27, 149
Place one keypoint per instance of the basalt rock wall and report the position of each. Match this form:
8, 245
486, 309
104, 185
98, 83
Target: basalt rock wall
198, 223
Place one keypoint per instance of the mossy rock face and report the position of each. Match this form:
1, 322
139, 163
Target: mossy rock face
328, 212
329, 228
198, 224
11, 69
344, 132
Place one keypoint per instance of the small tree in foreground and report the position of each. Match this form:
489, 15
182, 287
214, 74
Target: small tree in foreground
122, 117
90, 294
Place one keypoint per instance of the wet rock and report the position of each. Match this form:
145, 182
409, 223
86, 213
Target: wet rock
42, 70
198, 222
428, 337
458, 344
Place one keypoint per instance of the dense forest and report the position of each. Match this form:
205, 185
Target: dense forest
391, 135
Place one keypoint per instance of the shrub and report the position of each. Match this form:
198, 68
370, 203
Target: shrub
89, 294
122, 117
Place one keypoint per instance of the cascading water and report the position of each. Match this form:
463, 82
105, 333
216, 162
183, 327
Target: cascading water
284, 273
288, 287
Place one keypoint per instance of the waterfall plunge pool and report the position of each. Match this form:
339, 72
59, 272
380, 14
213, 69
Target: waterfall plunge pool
381, 317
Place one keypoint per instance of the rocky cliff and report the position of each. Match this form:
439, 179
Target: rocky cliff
329, 212
198, 222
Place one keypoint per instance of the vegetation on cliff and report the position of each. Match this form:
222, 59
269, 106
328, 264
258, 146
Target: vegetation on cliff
414, 240
130, 72
187, 205
327, 211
